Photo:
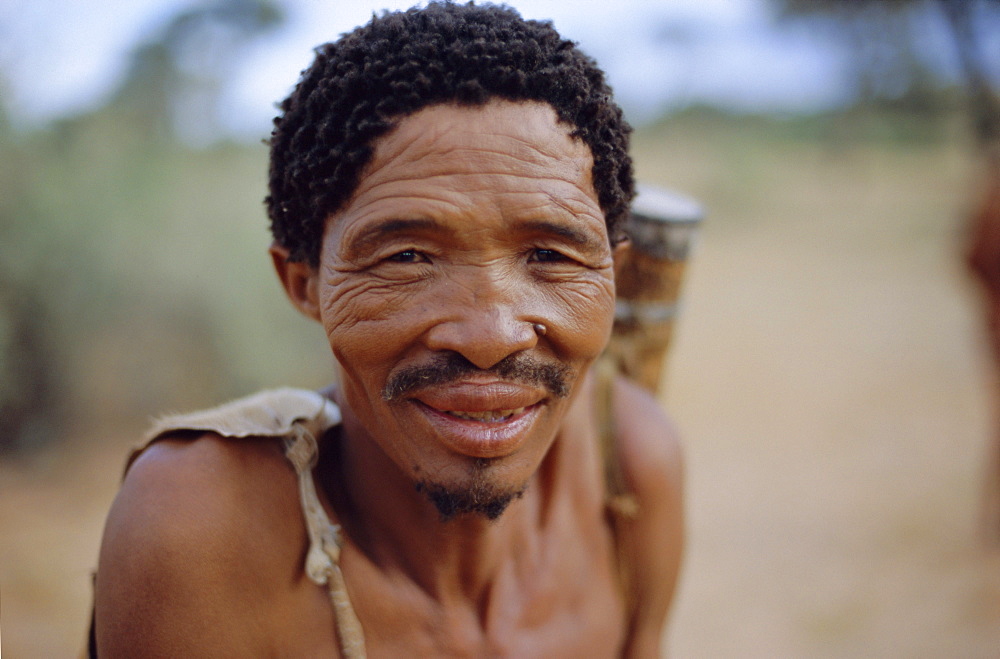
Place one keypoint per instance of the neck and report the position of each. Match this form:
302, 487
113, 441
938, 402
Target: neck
399, 529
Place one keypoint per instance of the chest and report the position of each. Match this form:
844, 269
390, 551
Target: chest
567, 603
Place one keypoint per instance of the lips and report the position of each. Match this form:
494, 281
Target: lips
478, 398
482, 420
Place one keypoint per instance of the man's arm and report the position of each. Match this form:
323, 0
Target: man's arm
653, 467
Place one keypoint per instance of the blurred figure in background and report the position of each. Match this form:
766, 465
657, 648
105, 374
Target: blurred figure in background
984, 261
983, 255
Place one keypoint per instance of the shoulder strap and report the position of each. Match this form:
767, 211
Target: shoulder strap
620, 503
325, 541
619, 500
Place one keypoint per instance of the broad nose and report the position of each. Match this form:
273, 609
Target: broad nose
484, 327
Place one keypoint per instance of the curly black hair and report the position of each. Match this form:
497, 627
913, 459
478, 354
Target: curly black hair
359, 86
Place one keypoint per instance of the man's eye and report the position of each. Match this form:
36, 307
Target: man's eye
547, 256
407, 256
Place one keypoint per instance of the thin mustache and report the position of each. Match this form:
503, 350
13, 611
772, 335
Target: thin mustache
519, 368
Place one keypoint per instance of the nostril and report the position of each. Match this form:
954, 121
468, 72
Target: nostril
485, 338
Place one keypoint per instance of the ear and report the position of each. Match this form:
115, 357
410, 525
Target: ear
299, 279
619, 254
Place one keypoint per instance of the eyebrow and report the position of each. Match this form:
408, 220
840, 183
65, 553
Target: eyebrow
580, 238
382, 229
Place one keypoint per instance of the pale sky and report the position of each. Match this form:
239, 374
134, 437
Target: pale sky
63, 56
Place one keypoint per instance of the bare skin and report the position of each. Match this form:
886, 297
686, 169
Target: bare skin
470, 226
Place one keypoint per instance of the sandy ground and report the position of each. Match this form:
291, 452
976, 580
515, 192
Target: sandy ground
831, 383
835, 458
833, 395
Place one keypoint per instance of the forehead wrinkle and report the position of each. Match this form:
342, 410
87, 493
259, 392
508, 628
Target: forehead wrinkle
383, 205
489, 179
447, 142
582, 155
443, 199
380, 159
522, 149
475, 161
576, 208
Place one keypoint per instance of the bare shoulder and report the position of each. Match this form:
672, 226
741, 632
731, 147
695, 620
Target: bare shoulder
191, 537
650, 449
653, 466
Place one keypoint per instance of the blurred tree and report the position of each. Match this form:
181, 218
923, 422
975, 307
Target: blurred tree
80, 200
174, 81
963, 15
29, 376
882, 42
29, 365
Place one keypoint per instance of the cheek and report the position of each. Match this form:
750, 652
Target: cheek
581, 314
354, 307
354, 316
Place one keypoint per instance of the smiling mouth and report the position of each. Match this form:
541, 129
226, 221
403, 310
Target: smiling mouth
489, 416
466, 428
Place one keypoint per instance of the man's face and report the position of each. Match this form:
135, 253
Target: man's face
469, 227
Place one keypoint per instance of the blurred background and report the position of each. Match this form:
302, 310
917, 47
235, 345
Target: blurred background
830, 374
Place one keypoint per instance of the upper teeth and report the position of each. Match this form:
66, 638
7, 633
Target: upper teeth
490, 415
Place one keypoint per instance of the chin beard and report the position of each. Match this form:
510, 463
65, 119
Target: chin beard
479, 497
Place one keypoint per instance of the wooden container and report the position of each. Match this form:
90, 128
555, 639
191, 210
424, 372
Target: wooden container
649, 275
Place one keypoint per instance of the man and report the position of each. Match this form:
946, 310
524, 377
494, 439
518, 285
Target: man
983, 239
447, 189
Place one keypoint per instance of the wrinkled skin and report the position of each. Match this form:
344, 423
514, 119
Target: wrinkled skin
471, 226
